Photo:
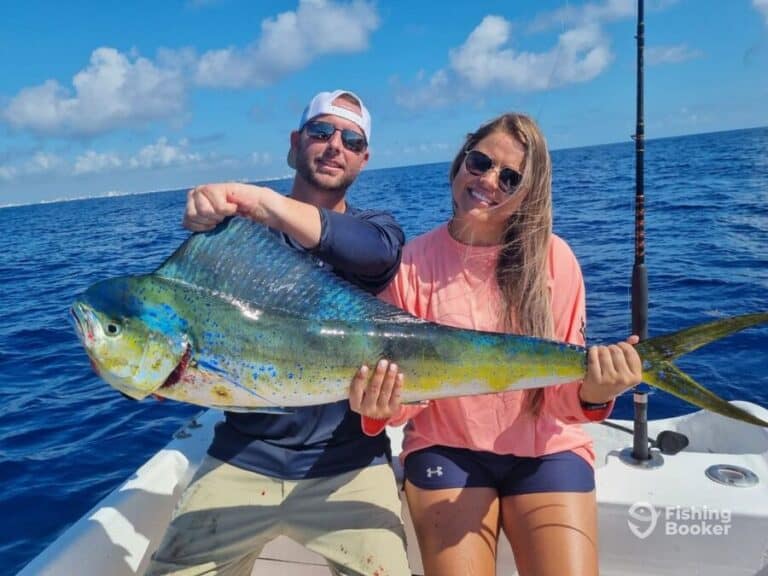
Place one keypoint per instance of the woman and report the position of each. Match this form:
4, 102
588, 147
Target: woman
515, 461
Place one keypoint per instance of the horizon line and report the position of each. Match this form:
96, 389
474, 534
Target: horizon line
117, 193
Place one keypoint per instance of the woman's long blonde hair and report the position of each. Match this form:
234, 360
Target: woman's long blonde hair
521, 270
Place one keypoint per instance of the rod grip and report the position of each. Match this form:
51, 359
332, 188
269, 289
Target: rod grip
640, 301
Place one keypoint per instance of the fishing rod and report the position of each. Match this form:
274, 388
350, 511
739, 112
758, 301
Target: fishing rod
640, 445
639, 271
667, 442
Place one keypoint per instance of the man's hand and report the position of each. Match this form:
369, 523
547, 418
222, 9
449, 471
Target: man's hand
207, 206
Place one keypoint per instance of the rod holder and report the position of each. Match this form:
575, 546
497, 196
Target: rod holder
640, 447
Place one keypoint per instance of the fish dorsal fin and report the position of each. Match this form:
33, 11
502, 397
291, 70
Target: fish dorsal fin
245, 261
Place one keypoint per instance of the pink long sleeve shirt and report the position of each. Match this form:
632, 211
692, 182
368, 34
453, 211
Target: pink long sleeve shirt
454, 284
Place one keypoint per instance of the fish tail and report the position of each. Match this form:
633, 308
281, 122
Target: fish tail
659, 371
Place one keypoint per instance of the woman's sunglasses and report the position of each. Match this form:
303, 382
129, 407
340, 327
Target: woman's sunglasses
324, 131
478, 164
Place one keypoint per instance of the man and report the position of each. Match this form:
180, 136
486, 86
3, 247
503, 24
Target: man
311, 474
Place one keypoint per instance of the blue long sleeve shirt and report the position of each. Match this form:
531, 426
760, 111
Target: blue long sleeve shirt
364, 247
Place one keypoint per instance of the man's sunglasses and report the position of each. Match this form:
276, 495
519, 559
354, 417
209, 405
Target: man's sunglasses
324, 131
478, 164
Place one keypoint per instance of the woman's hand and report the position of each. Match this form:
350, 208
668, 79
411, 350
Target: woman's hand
377, 396
610, 371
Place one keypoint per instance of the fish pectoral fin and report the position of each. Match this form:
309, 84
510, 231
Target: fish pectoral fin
659, 371
269, 407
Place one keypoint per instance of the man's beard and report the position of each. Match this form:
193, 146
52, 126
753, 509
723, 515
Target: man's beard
304, 169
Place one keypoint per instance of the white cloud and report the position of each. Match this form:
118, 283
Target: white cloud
120, 90
37, 164
92, 161
762, 7
484, 60
289, 42
586, 14
114, 90
670, 54
433, 93
425, 148
488, 58
42, 163
159, 154
683, 121
261, 158
7, 172
162, 154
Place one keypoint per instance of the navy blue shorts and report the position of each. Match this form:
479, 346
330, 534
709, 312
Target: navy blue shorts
439, 467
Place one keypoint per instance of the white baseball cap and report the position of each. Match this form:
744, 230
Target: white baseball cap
322, 103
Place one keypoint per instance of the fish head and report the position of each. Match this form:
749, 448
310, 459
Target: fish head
135, 343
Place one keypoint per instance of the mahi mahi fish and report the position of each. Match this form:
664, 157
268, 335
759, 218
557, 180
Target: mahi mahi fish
237, 320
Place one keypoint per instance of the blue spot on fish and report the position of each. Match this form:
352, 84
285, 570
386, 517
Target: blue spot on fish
265, 369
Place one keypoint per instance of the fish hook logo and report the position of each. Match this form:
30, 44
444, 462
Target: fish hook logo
645, 513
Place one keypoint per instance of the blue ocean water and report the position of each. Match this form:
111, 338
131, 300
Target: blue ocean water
67, 439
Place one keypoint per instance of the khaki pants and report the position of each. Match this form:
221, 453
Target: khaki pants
227, 515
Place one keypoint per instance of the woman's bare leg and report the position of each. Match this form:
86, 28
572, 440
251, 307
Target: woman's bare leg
457, 528
552, 533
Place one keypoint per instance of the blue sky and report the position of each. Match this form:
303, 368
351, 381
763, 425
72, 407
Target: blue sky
122, 97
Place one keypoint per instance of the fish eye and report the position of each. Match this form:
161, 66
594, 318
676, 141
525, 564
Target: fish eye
112, 329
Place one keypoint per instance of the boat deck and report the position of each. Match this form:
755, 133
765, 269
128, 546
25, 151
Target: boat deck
119, 535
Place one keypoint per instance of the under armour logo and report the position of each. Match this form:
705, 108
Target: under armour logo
436, 471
